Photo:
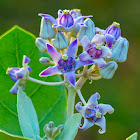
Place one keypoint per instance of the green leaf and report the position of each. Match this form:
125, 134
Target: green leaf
49, 101
71, 127
27, 116
133, 136
6, 136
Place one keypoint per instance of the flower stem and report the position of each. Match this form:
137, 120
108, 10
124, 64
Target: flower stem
71, 101
45, 83
81, 97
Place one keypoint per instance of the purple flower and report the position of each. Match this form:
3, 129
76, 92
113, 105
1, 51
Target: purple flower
95, 51
19, 75
93, 113
65, 64
66, 20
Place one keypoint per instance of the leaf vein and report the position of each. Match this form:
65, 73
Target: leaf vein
8, 109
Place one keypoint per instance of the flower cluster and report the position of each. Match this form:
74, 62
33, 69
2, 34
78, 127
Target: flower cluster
61, 38
102, 50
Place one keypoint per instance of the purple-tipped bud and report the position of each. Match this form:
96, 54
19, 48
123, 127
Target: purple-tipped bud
19, 74
66, 19
114, 30
41, 44
26, 60
120, 49
46, 30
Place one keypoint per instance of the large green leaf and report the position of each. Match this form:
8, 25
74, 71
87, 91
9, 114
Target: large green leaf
27, 116
49, 101
7, 136
71, 127
133, 136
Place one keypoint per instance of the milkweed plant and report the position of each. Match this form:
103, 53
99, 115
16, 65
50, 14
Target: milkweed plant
67, 43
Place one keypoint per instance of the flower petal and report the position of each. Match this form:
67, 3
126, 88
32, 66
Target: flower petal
50, 71
85, 42
84, 56
93, 99
100, 62
29, 69
106, 108
13, 90
102, 123
71, 77
87, 124
98, 38
71, 50
49, 17
81, 109
79, 63
12, 73
98, 30
77, 20
25, 61
56, 56
109, 40
19, 73
106, 52
60, 28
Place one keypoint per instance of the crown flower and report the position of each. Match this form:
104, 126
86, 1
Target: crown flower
19, 75
93, 113
65, 64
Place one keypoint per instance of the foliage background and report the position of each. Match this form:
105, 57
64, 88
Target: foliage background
121, 91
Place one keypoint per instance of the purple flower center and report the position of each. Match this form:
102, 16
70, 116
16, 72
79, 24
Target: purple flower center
93, 114
66, 65
66, 20
94, 52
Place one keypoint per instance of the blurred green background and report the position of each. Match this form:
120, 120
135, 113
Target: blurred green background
122, 92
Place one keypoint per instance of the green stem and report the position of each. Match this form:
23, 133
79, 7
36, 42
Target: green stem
71, 101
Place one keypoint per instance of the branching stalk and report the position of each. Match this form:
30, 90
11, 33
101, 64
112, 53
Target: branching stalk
45, 83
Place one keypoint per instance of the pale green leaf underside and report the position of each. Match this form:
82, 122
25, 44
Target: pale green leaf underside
49, 101
71, 127
27, 116
6, 136
133, 136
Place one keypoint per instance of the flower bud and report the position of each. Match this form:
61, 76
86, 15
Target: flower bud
44, 60
120, 49
57, 131
46, 30
114, 30
60, 41
89, 31
51, 131
108, 71
41, 44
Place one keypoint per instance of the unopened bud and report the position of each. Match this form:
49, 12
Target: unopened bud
51, 131
108, 71
44, 60
46, 30
120, 49
41, 44
60, 41
89, 31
